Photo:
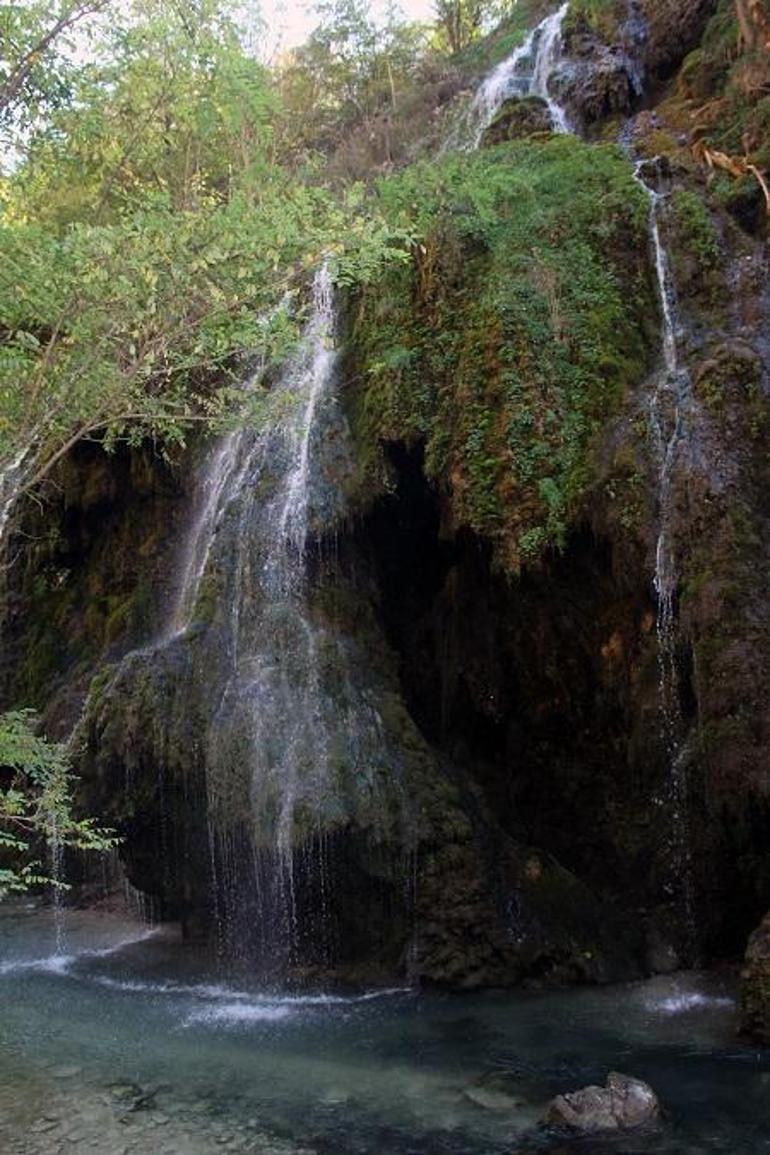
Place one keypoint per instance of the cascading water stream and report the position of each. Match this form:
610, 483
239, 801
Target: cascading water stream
667, 409
288, 714
12, 478
526, 72
546, 60
220, 475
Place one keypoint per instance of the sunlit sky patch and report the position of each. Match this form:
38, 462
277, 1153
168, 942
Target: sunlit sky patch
290, 22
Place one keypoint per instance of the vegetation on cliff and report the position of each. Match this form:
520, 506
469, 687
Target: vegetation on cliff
147, 235
513, 336
168, 193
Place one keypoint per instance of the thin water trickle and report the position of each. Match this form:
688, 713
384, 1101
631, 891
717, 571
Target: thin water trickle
667, 409
314, 381
12, 478
58, 883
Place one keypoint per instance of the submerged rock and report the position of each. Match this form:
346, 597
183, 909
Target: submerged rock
491, 1098
622, 1104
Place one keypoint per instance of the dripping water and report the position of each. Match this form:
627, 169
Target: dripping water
288, 712
13, 475
58, 884
667, 408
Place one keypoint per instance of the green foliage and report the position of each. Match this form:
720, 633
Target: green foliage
119, 331
352, 72
36, 60
514, 335
170, 104
602, 16
459, 22
36, 806
696, 249
147, 239
695, 229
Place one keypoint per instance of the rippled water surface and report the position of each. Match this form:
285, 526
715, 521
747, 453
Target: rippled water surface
128, 1042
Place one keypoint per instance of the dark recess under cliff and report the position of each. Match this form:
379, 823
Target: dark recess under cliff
543, 686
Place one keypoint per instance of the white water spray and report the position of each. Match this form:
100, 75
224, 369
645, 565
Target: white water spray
526, 72
12, 477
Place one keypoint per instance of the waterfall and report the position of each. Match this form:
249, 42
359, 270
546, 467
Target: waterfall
667, 408
547, 58
293, 732
12, 478
58, 882
220, 475
526, 72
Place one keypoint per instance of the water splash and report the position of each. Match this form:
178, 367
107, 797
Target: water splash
63, 962
526, 72
667, 408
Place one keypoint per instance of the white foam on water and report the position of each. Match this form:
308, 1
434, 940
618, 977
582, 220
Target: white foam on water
243, 1010
59, 963
691, 1001
238, 1014
219, 993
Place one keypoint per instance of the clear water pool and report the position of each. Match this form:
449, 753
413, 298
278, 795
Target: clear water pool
127, 1041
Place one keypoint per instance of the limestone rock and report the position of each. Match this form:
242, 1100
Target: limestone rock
623, 1103
755, 985
601, 85
519, 118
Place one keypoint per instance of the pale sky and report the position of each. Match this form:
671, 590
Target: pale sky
290, 22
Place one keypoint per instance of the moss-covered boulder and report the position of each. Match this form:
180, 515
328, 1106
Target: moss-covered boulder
518, 118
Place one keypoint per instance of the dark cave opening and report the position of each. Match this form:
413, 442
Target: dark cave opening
541, 686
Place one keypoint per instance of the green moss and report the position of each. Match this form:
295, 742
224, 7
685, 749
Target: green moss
695, 228
731, 377
514, 334
600, 16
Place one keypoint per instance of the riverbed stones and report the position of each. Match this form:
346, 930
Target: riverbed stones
622, 1104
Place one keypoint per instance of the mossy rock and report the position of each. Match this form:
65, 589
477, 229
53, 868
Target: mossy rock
518, 119
730, 376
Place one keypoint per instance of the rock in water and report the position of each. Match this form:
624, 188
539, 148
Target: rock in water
620, 1105
755, 985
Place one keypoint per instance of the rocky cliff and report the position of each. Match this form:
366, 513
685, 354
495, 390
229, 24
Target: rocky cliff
499, 801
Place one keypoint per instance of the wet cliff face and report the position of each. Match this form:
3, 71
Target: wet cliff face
85, 574
619, 56
465, 668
